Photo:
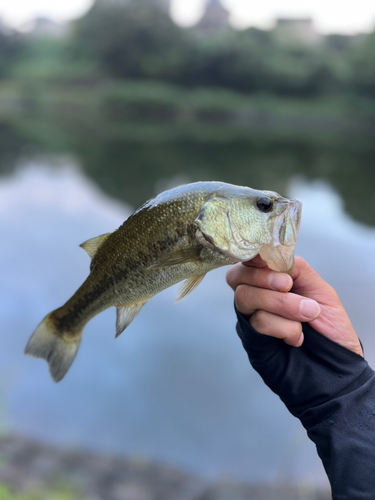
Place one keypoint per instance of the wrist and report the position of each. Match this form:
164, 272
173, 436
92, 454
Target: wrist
307, 376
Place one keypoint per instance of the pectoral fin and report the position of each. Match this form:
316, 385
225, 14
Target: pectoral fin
91, 246
181, 256
125, 315
189, 286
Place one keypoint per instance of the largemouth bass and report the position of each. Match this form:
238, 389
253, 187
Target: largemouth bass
180, 235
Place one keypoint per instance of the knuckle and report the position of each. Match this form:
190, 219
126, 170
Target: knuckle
283, 301
301, 266
300, 261
234, 275
242, 296
230, 276
295, 330
293, 333
260, 275
259, 321
333, 293
288, 306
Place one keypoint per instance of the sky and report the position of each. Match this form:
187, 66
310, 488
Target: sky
330, 16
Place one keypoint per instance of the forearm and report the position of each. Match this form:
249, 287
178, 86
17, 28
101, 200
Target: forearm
343, 431
332, 391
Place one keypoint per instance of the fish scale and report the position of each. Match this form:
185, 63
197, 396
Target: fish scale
180, 235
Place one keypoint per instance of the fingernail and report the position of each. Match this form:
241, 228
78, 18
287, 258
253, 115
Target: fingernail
301, 339
309, 309
279, 281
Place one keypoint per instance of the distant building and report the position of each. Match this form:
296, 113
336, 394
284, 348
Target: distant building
215, 17
290, 31
164, 5
41, 27
5, 29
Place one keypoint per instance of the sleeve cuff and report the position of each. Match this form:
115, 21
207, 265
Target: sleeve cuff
307, 376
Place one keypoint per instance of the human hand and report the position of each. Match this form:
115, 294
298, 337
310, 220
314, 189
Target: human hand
260, 293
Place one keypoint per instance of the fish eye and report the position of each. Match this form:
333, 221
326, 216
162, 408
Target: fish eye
264, 204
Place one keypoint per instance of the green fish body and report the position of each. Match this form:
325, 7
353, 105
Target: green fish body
180, 235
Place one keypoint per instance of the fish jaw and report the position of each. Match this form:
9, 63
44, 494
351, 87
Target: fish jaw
287, 225
279, 258
279, 255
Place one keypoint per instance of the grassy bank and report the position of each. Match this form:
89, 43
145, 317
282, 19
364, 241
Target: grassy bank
7, 493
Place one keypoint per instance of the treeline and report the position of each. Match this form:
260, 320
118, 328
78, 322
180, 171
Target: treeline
140, 42
12, 49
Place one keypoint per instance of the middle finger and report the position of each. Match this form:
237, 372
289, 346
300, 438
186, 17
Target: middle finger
287, 305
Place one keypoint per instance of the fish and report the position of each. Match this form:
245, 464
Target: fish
180, 235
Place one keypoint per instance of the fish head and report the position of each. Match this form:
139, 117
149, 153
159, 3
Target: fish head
251, 222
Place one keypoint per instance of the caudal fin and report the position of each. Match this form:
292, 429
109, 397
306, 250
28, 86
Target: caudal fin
59, 351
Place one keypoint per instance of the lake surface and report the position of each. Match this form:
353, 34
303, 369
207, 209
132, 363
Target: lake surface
177, 385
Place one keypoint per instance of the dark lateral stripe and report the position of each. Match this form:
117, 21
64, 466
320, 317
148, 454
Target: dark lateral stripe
86, 297
76, 306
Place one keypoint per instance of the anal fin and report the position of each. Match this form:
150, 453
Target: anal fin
189, 286
125, 315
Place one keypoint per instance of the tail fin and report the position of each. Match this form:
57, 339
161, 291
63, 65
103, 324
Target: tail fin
49, 343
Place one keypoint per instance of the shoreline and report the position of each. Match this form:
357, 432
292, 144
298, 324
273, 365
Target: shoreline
28, 466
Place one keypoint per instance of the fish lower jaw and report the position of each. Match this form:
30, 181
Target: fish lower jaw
237, 256
279, 258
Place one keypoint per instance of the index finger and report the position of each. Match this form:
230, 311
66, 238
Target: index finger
259, 277
255, 262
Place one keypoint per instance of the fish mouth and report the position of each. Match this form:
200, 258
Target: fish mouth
287, 225
207, 238
280, 256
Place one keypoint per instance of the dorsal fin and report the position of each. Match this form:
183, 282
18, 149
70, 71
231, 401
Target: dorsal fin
91, 246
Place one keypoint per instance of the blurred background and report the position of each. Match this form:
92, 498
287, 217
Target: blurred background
103, 105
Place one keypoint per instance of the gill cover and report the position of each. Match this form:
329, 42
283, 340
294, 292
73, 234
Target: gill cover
220, 229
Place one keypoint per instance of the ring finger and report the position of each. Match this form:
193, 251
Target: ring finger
275, 326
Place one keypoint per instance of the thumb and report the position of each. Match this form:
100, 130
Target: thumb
332, 321
308, 283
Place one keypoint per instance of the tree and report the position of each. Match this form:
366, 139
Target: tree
132, 40
363, 65
11, 48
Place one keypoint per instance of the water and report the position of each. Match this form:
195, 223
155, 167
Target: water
176, 386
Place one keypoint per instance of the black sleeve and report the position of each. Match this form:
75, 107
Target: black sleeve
332, 391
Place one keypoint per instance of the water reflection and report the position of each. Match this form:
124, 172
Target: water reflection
177, 385
128, 160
